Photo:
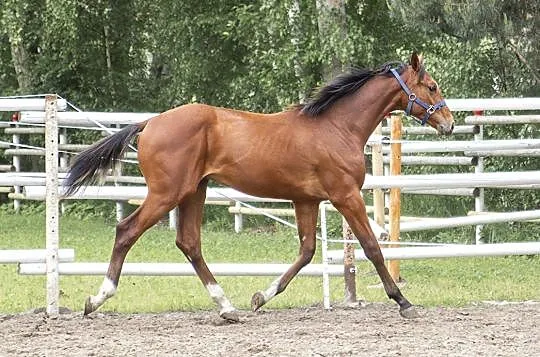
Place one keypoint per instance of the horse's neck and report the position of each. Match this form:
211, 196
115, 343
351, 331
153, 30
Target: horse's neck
364, 110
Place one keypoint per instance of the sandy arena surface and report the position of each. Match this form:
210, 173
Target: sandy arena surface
372, 330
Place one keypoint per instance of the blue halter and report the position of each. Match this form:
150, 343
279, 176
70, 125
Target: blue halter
430, 109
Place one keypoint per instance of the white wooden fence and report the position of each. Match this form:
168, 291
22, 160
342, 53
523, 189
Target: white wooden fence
33, 184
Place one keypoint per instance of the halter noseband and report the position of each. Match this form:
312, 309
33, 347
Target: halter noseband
430, 109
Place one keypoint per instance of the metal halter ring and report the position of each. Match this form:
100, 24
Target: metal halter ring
412, 97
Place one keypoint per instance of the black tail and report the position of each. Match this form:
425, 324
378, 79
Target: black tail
91, 165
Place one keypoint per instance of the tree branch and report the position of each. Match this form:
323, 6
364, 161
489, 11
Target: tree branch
524, 61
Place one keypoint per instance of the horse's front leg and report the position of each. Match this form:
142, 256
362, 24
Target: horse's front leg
353, 208
306, 219
188, 239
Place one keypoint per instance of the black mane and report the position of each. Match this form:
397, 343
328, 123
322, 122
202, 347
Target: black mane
343, 85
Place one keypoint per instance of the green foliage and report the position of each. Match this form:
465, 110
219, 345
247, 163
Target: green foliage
89, 209
510, 28
265, 54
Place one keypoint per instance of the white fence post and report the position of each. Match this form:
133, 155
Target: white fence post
63, 159
173, 218
51, 223
117, 173
17, 165
479, 200
324, 252
238, 219
378, 170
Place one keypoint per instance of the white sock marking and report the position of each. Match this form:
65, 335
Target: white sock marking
272, 290
106, 290
217, 294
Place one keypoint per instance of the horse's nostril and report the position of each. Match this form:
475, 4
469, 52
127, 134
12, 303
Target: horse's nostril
452, 126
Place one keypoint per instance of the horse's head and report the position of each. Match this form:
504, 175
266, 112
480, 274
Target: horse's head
422, 98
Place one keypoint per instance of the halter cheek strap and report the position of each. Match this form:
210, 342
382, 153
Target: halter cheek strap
412, 98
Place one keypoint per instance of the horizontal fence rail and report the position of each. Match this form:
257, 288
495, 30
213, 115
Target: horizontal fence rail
435, 160
180, 269
427, 130
85, 119
38, 104
502, 119
469, 220
474, 104
465, 145
35, 191
13, 256
445, 251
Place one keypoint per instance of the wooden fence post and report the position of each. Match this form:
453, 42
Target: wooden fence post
395, 193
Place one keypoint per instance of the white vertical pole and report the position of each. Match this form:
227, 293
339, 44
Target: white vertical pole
119, 204
17, 165
173, 214
51, 203
324, 251
62, 139
479, 200
119, 209
378, 170
238, 219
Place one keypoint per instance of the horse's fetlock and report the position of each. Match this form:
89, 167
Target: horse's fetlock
374, 254
187, 248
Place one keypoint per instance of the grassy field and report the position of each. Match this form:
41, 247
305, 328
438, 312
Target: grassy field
451, 282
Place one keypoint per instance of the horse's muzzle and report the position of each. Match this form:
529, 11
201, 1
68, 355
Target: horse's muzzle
445, 128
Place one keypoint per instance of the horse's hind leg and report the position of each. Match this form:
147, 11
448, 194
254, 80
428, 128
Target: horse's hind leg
306, 220
188, 239
127, 233
352, 207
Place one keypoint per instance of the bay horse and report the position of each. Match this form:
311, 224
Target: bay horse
307, 154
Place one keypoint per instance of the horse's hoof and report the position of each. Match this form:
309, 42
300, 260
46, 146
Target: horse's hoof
409, 313
230, 316
257, 301
88, 306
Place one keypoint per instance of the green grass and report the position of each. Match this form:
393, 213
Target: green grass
450, 282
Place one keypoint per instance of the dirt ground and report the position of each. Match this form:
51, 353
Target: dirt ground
372, 330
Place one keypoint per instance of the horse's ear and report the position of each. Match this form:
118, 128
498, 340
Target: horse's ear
416, 61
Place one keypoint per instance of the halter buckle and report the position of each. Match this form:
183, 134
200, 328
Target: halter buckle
430, 110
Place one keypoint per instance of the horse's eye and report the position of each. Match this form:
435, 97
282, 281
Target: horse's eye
432, 87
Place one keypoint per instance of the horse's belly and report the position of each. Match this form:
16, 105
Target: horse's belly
287, 186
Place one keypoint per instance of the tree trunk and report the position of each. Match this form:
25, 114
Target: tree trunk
108, 60
332, 32
296, 32
13, 20
21, 64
